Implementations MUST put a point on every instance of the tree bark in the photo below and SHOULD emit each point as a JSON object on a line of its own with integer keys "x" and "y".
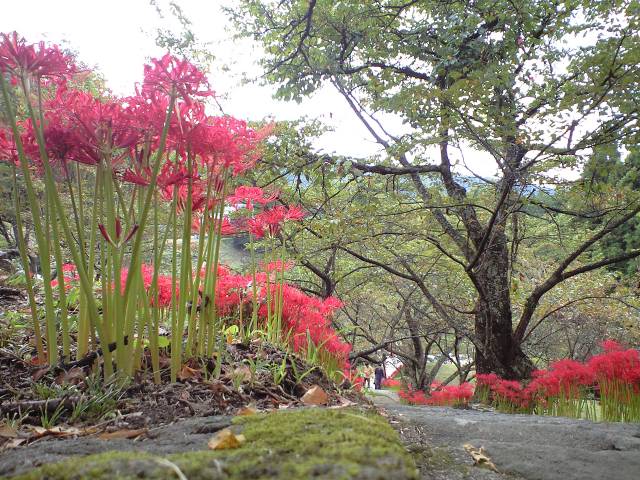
{"x": 497, "y": 350}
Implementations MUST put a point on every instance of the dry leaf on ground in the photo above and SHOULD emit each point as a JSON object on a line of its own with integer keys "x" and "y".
{"x": 480, "y": 458}
{"x": 187, "y": 373}
{"x": 38, "y": 374}
{"x": 73, "y": 376}
{"x": 315, "y": 396}
{"x": 7, "y": 431}
{"x": 246, "y": 411}
{"x": 12, "y": 443}
{"x": 225, "y": 439}
{"x": 39, "y": 432}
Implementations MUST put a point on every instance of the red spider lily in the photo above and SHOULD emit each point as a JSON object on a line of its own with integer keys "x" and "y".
{"x": 146, "y": 115}
{"x": 450, "y": 395}
{"x": 611, "y": 346}
{"x": 488, "y": 379}
{"x": 230, "y": 144}
{"x": 228, "y": 228}
{"x": 169, "y": 73}
{"x": 306, "y": 317}
{"x": 97, "y": 127}
{"x": 70, "y": 275}
{"x": 19, "y": 58}
{"x": 137, "y": 178}
{"x": 165, "y": 285}
{"x": 615, "y": 374}
{"x": 330, "y": 304}
{"x": 391, "y": 383}
{"x": 249, "y": 195}
{"x": 117, "y": 241}
{"x": 358, "y": 382}
{"x": 271, "y": 221}
{"x": 196, "y": 224}
{"x": 615, "y": 363}
{"x": 173, "y": 174}
{"x": 413, "y": 397}
{"x": 8, "y": 151}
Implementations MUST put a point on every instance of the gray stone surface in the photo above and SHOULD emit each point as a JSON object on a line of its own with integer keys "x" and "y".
{"x": 524, "y": 446}
{"x": 186, "y": 435}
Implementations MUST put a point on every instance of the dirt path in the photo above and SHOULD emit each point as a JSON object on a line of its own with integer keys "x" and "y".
{"x": 521, "y": 446}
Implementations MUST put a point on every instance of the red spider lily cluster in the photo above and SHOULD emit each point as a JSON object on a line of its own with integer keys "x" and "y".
{"x": 391, "y": 383}
{"x": 269, "y": 222}
{"x": 450, "y": 395}
{"x": 441, "y": 395}
{"x": 305, "y": 318}
{"x": 152, "y": 155}
{"x": 70, "y": 274}
{"x": 613, "y": 377}
{"x": 19, "y": 58}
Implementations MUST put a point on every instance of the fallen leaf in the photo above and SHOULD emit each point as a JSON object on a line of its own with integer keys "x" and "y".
{"x": 125, "y": 433}
{"x": 217, "y": 387}
{"x": 39, "y": 432}
{"x": 247, "y": 411}
{"x": 315, "y": 396}
{"x": 187, "y": 373}
{"x": 225, "y": 439}
{"x": 8, "y": 431}
{"x": 38, "y": 374}
{"x": 480, "y": 459}
{"x": 74, "y": 376}
{"x": 13, "y": 443}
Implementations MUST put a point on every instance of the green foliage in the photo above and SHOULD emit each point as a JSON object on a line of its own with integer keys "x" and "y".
{"x": 607, "y": 179}
{"x": 529, "y": 89}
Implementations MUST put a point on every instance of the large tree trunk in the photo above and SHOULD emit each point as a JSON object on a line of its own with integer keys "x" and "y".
{"x": 497, "y": 351}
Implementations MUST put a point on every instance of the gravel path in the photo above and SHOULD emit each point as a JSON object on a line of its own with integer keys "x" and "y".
{"x": 521, "y": 446}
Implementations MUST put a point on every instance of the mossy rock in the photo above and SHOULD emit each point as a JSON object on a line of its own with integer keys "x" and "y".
{"x": 300, "y": 444}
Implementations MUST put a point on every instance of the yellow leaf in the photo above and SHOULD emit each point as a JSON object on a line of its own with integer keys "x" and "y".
{"x": 225, "y": 439}
{"x": 247, "y": 411}
{"x": 480, "y": 459}
{"x": 315, "y": 396}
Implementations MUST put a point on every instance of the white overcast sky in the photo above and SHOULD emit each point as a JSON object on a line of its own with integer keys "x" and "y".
{"x": 117, "y": 37}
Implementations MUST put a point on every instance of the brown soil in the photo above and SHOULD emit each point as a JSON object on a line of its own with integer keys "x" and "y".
{"x": 144, "y": 405}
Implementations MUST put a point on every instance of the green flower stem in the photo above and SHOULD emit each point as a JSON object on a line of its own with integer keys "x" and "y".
{"x": 22, "y": 248}
{"x": 185, "y": 279}
{"x": 36, "y": 212}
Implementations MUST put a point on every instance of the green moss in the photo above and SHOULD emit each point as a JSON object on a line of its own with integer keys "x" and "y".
{"x": 300, "y": 444}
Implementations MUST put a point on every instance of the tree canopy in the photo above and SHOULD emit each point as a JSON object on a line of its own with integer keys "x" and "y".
{"x": 533, "y": 88}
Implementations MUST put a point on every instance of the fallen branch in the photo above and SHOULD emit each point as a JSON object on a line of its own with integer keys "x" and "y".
{"x": 40, "y": 406}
